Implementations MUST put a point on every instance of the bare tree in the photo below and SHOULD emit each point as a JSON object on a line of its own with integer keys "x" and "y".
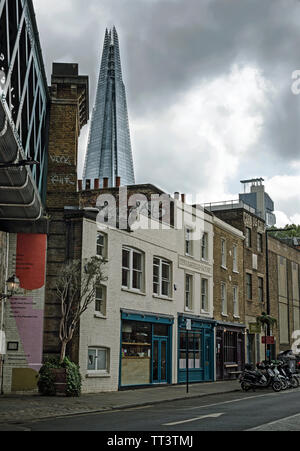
{"x": 76, "y": 290}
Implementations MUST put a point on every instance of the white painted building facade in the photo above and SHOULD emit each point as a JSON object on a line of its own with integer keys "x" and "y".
{"x": 134, "y": 334}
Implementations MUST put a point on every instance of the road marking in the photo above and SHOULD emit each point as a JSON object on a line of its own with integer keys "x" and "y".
{"x": 238, "y": 400}
{"x": 274, "y": 422}
{"x": 203, "y": 417}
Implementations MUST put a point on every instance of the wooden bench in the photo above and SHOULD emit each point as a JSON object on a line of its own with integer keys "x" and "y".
{"x": 233, "y": 373}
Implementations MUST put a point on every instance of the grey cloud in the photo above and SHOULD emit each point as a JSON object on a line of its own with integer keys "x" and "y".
{"x": 168, "y": 46}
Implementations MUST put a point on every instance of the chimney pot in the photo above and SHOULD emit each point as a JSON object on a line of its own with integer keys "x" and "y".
{"x": 79, "y": 185}
{"x": 105, "y": 182}
{"x": 176, "y": 195}
{"x": 88, "y": 184}
{"x": 96, "y": 183}
{"x": 183, "y": 198}
{"x": 118, "y": 182}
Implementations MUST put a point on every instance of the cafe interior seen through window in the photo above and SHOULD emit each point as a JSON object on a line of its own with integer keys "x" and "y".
{"x": 137, "y": 350}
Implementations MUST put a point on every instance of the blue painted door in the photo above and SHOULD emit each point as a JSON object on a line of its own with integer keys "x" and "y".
{"x": 160, "y": 360}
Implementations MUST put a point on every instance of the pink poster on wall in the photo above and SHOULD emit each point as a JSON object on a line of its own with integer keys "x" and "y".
{"x": 28, "y": 309}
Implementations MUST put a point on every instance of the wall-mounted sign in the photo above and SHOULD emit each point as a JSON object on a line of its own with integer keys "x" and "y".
{"x": 12, "y": 346}
{"x": 254, "y": 328}
{"x": 268, "y": 340}
{"x": 188, "y": 324}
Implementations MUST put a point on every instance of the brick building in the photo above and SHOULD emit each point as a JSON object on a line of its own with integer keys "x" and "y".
{"x": 284, "y": 264}
{"x": 244, "y": 218}
{"x": 229, "y": 307}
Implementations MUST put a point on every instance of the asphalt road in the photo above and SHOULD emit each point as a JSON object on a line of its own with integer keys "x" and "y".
{"x": 262, "y": 410}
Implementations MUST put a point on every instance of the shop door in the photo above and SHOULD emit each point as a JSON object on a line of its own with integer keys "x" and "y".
{"x": 207, "y": 357}
{"x": 160, "y": 360}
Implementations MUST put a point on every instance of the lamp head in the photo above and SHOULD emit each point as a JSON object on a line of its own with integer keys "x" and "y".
{"x": 13, "y": 284}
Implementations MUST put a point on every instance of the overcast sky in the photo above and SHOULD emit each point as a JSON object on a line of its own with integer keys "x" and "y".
{"x": 208, "y": 88}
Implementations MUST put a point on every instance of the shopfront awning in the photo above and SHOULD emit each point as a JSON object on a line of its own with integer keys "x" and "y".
{"x": 19, "y": 196}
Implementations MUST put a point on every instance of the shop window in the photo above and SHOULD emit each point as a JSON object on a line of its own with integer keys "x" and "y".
{"x": 132, "y": 269}
{"x": 160, "y": 330}
{"x": 230, "y": 347}
{"x": 136, "y": 353}
{"x": 162, "y": 277}
{"x": 194, "y": 350}
{"x": 98, "y": 360}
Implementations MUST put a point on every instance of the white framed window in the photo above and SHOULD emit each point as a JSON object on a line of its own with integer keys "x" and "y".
{"x": 224, "y": 298}
{"x": 162, "y": 277}
{"x": 100, "y": 300}
{"x": 223, "y": 253}
{"x": 204, "y": 247}
{"x": 132, "y": 269}
{"x": 101, "y": 244}
{"x": 189, "y": 281}
{"x": 188, "y": 242}
{"x": 98, "y": 360}
{"x": 235, "y": 258}
{"x": 236, "y": 307}
{"x": 204, "y": 295}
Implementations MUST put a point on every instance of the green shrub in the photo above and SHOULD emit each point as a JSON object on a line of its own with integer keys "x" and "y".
{"x": 74, "y": 381}
{"x": 46, "y": 378}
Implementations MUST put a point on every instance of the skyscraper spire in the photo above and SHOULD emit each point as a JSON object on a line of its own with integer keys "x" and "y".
{"x": 109, "y": 153}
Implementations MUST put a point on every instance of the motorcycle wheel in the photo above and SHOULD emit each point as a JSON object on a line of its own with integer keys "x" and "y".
{"x": 245, "y": 387}
{"x": 294, "y": 382}
{"x": 284, "y": 384}
{"x": 277, "y": 386}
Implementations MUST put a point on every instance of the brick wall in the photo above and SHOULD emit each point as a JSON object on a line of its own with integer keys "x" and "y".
{"x": 65, "y": 226}
{"x": 228, "y": 276}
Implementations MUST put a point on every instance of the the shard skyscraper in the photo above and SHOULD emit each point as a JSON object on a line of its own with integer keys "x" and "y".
{"x": 109, "y": 153}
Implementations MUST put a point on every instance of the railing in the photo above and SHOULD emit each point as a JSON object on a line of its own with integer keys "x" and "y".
{"x": 230, "y": 205}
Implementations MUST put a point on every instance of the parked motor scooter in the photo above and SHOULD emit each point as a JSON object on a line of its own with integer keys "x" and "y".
{"x": 292, "y": 380}
{"x": 262, "y": 377}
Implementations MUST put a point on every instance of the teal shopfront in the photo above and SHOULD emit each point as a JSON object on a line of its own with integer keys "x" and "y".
{"x": 199, "y": 342}
{"x": 146, "y": 349}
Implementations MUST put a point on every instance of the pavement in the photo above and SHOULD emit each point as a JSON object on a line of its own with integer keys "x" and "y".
{"x": 17, "y": 409}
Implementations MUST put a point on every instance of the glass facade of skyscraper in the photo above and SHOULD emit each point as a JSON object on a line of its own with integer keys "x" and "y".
{"x": 109, "y": 153}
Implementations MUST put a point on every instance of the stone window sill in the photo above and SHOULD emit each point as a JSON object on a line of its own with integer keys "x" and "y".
{"x": 140, "y": 293}
{"x": 97, "y": 375}
{"x": 163, "y": 298}
{"x": 99, "y": 316}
